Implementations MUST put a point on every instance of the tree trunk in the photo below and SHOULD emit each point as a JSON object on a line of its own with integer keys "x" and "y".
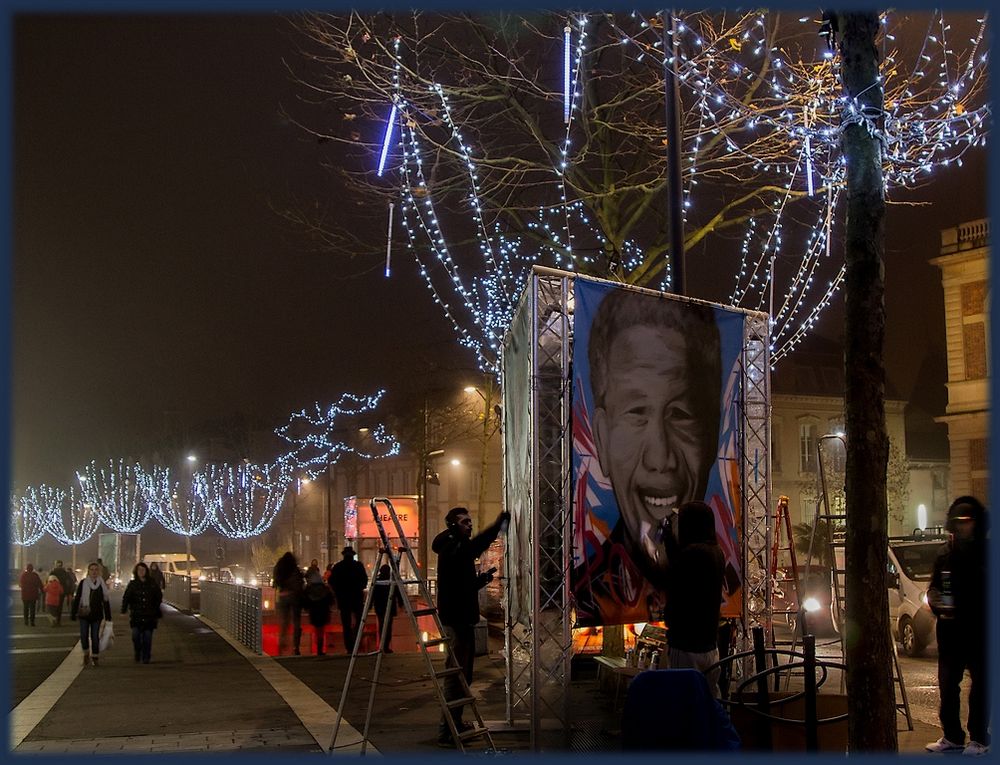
{"x": 868, "y": 651}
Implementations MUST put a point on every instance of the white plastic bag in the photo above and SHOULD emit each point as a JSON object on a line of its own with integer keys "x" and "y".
{"x": 107, "y": 636}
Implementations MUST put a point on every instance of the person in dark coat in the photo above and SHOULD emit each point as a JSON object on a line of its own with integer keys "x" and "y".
{"x": 380, "y": 600}
{"x": 142, "y": 602}
{"x": 67, "y": 582}
{"x": 458, "y": 586}
{"x": 288, "y": 584}
{"x": 157, "y": 575}
{"x": 31, "y": 589}
{"x": 92, "y": 604}
{"x": 317, "y": 600}
{"x": 348, "y": 580}
{"x": 957, "y": 595}
{"x": 694, "y": 591}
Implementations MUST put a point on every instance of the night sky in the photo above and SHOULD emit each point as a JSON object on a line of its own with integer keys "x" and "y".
{"x": 151, "y": 274}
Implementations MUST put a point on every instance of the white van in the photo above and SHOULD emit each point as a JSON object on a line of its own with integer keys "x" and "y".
{"x": 911, "y": 563}
{"x": 174, "y": 563}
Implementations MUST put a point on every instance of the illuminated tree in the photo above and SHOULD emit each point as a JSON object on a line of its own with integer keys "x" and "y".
{"x": 244, "y": 498}
{"x": 515, "y": 140}
{"x": 117, "y": 494}
{"x": 70, "y": 519}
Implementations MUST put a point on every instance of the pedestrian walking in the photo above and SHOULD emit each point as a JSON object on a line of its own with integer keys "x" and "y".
{"x": 458, "y": 586}
{"x": 317, "y": 600}
{"x": 380, "y": 599}
{"x": 53, "y": 599}
{"x": 141, "y": 601}
{"x": 91, "y": 605}
{"x": 957, "y": 595}
{"x": 67, "y": 581}
{"x": 31, "y": 590}
{"x": 105, "y": 572}
{"x": 157, "y": 575}
{"x": 287, "y": 582}
{"x": 348, "y": 581}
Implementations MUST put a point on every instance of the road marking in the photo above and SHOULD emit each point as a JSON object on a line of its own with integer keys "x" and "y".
{"x": 316, "y": 715}
{"x": 13, "y": 651}
{"x": 26, "y": 715}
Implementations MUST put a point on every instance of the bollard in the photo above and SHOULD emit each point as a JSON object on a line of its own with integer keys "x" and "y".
{"x": 809, "y": 667}
{"x": 763, "y": 698}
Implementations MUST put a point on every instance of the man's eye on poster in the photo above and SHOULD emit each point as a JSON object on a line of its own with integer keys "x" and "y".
{"x": 655, "y": 425}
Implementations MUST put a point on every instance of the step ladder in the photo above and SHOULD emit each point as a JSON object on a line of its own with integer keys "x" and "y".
{"x": 436, "y": 673}
{"x": 783, "y": 528}
{"x": 836, "y": 524}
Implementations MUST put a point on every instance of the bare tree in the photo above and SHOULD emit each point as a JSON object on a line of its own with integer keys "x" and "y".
{"x": 485, "y": 164}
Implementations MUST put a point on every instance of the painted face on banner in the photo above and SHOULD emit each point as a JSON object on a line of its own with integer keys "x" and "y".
{"x": 649, "y": 439}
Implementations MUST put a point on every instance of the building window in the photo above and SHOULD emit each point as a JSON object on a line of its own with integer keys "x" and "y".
{"x": 807, "y": 447}
{"x": 977, "y": 454}
{"x": 974, "y": 344}
{"x": 980, "y": 485}
{"x": 973, "y": 298}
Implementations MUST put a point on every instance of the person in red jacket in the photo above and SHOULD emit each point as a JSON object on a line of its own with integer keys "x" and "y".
{"x": 31, "y": 588}
{"x": 53, "y": 599}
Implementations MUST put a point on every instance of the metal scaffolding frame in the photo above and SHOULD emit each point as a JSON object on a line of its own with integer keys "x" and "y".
{"x": 538, "y": 654}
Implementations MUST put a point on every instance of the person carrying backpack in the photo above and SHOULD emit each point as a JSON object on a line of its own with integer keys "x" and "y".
{"x": 318, "y": 599}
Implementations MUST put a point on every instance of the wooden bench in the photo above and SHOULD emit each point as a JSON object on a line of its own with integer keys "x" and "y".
{"x": 651, "y": 638}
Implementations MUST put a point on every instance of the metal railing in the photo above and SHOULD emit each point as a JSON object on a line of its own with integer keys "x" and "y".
{"x": 177, "y": 591}
{"x": 236, "y": 608}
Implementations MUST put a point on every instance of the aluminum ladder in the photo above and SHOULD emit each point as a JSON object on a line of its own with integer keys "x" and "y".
{"x": 396, "y": 584}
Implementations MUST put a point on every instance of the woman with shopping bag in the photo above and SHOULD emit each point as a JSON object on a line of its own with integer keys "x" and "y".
{"x": 142, "y": 601}
{"x": 91, "y": 604}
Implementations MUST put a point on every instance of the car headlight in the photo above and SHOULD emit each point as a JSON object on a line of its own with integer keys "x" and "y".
{"x": 811, "y": 605}
{"x": 239, "y": 580}
{"x": 201, "y": 578}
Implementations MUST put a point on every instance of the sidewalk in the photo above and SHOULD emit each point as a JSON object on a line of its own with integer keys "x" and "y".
{"x": 204, "y": 693}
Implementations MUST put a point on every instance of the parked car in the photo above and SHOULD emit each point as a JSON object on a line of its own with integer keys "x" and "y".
{"x": 911, "y": 563}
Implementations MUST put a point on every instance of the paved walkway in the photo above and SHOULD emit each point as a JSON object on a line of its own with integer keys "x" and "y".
{"x": 205, "y": 693}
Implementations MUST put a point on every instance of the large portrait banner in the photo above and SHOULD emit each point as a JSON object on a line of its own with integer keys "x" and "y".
{"x": 656, "y": 423}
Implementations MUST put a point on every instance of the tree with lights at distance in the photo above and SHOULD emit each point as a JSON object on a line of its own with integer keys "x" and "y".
{"x": 522, "y": 139}
{"x": 118, "y": 494}
{"x": 27, "y": 520}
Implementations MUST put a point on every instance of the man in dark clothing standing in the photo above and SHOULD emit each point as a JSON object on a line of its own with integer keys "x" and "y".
{"x": 60, "y": 573}
{"x": 458, "y": 586}
{"x": 348, "y": 581}
{"x": 957, "y": 596}
{"x": 694, "y": 591}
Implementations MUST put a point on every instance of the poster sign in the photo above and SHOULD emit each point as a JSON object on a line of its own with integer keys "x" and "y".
{"x": 656, "y": 383}
{"x": 350, "y": 517}
{"x": 406, "y": 512}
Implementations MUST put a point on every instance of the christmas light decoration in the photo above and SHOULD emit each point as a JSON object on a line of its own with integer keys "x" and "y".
{"x": 116, "y": 494}
{"x": 755, "y": 116}
{"x": 182, "y": 506}
{"x": 27, "y": 518}
{"x": 245, "y": 498}
{"x": 386, "y": 139}
{"x": 320, "y": 438}
{"x": 70, "y": 519}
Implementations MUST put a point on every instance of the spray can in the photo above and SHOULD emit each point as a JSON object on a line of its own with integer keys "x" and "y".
{"x": 947, "y": 596}
{"x": 654, "y": 660}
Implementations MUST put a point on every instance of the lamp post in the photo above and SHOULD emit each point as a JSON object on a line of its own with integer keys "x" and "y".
{"x": 187, "y": 537}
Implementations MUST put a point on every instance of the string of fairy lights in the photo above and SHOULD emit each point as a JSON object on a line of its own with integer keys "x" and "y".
{"x": 238, "y": 501}
{"x": 931, "y": 118}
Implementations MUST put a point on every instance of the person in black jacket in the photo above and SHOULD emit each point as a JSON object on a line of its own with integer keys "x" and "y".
{"x": 694, "y": 591}
{"x": 348, "y": 580}
{"x": 157, "y": 575}
{"x": 142, "y": 599}
{"x": 957, "y": 595}
{"x": 458, "y": 586}
{"x": 288, "y": 584}
{"x": 317, "y": 600}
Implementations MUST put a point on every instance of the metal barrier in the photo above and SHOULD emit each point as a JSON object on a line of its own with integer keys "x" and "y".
{"x": 177, "y": 590}
{"x": 236, "y": 608}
